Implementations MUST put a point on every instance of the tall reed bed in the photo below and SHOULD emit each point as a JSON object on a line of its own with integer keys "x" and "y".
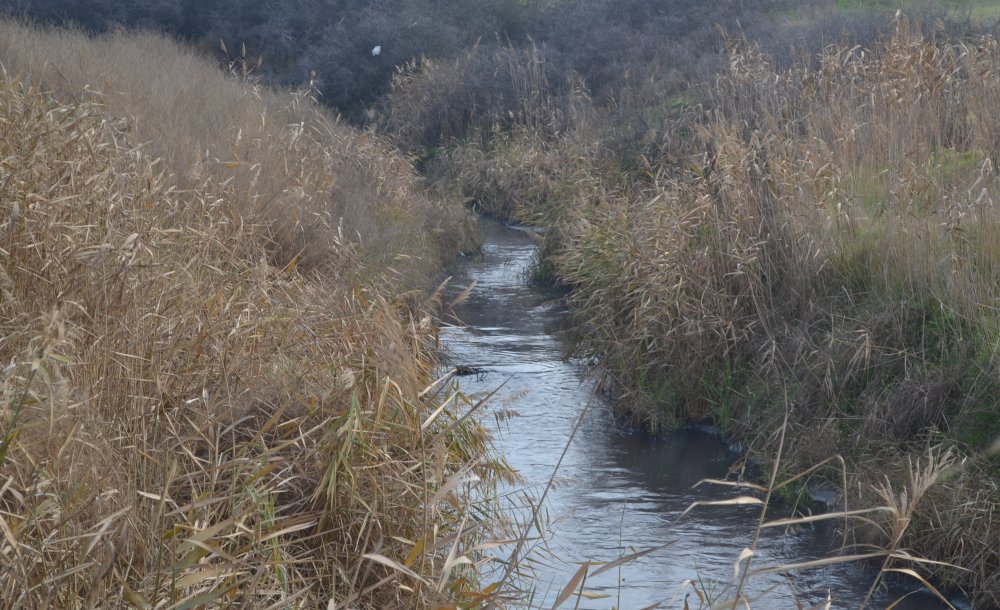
{"x": 213, "y": 392}
{"x": 826, "y": 231}
{"x": 285, "y": 159}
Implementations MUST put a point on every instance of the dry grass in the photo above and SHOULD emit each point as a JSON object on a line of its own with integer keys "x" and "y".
{"x": 828, "y": 230}
{"x": 206, "y": 127}
{"x": 211, "y": 396}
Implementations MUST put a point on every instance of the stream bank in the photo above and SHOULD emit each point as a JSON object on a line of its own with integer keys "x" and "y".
{"x": 619, "y": 491}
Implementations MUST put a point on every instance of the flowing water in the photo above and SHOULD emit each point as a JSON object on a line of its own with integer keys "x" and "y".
{"x": 620, "y": 491}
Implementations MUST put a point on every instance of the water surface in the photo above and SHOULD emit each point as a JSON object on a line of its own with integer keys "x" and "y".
{"x": 620, "y": 491}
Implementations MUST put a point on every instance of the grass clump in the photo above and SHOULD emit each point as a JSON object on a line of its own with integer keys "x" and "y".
{"x": 212, "y": 394}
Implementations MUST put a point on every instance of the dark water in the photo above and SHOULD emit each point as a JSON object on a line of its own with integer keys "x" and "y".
{"x": 620, "y": 492}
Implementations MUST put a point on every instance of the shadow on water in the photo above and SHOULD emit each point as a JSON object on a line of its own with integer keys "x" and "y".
{"x": 620, "y": 491}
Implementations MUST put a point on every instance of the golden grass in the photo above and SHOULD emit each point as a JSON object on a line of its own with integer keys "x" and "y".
{"x": 342, "y": 184}
{"x": 212, "y": 393}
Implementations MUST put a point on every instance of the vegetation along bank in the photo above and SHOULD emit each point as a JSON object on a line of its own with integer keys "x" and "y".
{"x": 816, "y": 240}
{"x": 217, "y": 379}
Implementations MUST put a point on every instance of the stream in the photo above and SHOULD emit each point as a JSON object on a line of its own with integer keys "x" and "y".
{"x": 620, "y": 491}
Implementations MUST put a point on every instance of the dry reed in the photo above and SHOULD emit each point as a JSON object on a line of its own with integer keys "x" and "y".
{"x": 213, "y": 392}
{"x": 827, "y": 229}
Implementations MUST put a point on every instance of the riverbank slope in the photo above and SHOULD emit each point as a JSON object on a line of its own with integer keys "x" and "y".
{"x": 216, "y": 344}
{"x": 816, "y": 241}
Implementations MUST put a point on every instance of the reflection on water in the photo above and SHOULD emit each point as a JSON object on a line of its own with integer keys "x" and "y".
{"x": 621, "y": 491}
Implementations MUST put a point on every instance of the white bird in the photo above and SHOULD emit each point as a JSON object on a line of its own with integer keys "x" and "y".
{"x": 377, "y": 51}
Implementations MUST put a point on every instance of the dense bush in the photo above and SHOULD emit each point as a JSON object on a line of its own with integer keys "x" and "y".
{"x": 632, "y": 63}
{"x": 659, "y": 44}
{"x": 294, "y": 39}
